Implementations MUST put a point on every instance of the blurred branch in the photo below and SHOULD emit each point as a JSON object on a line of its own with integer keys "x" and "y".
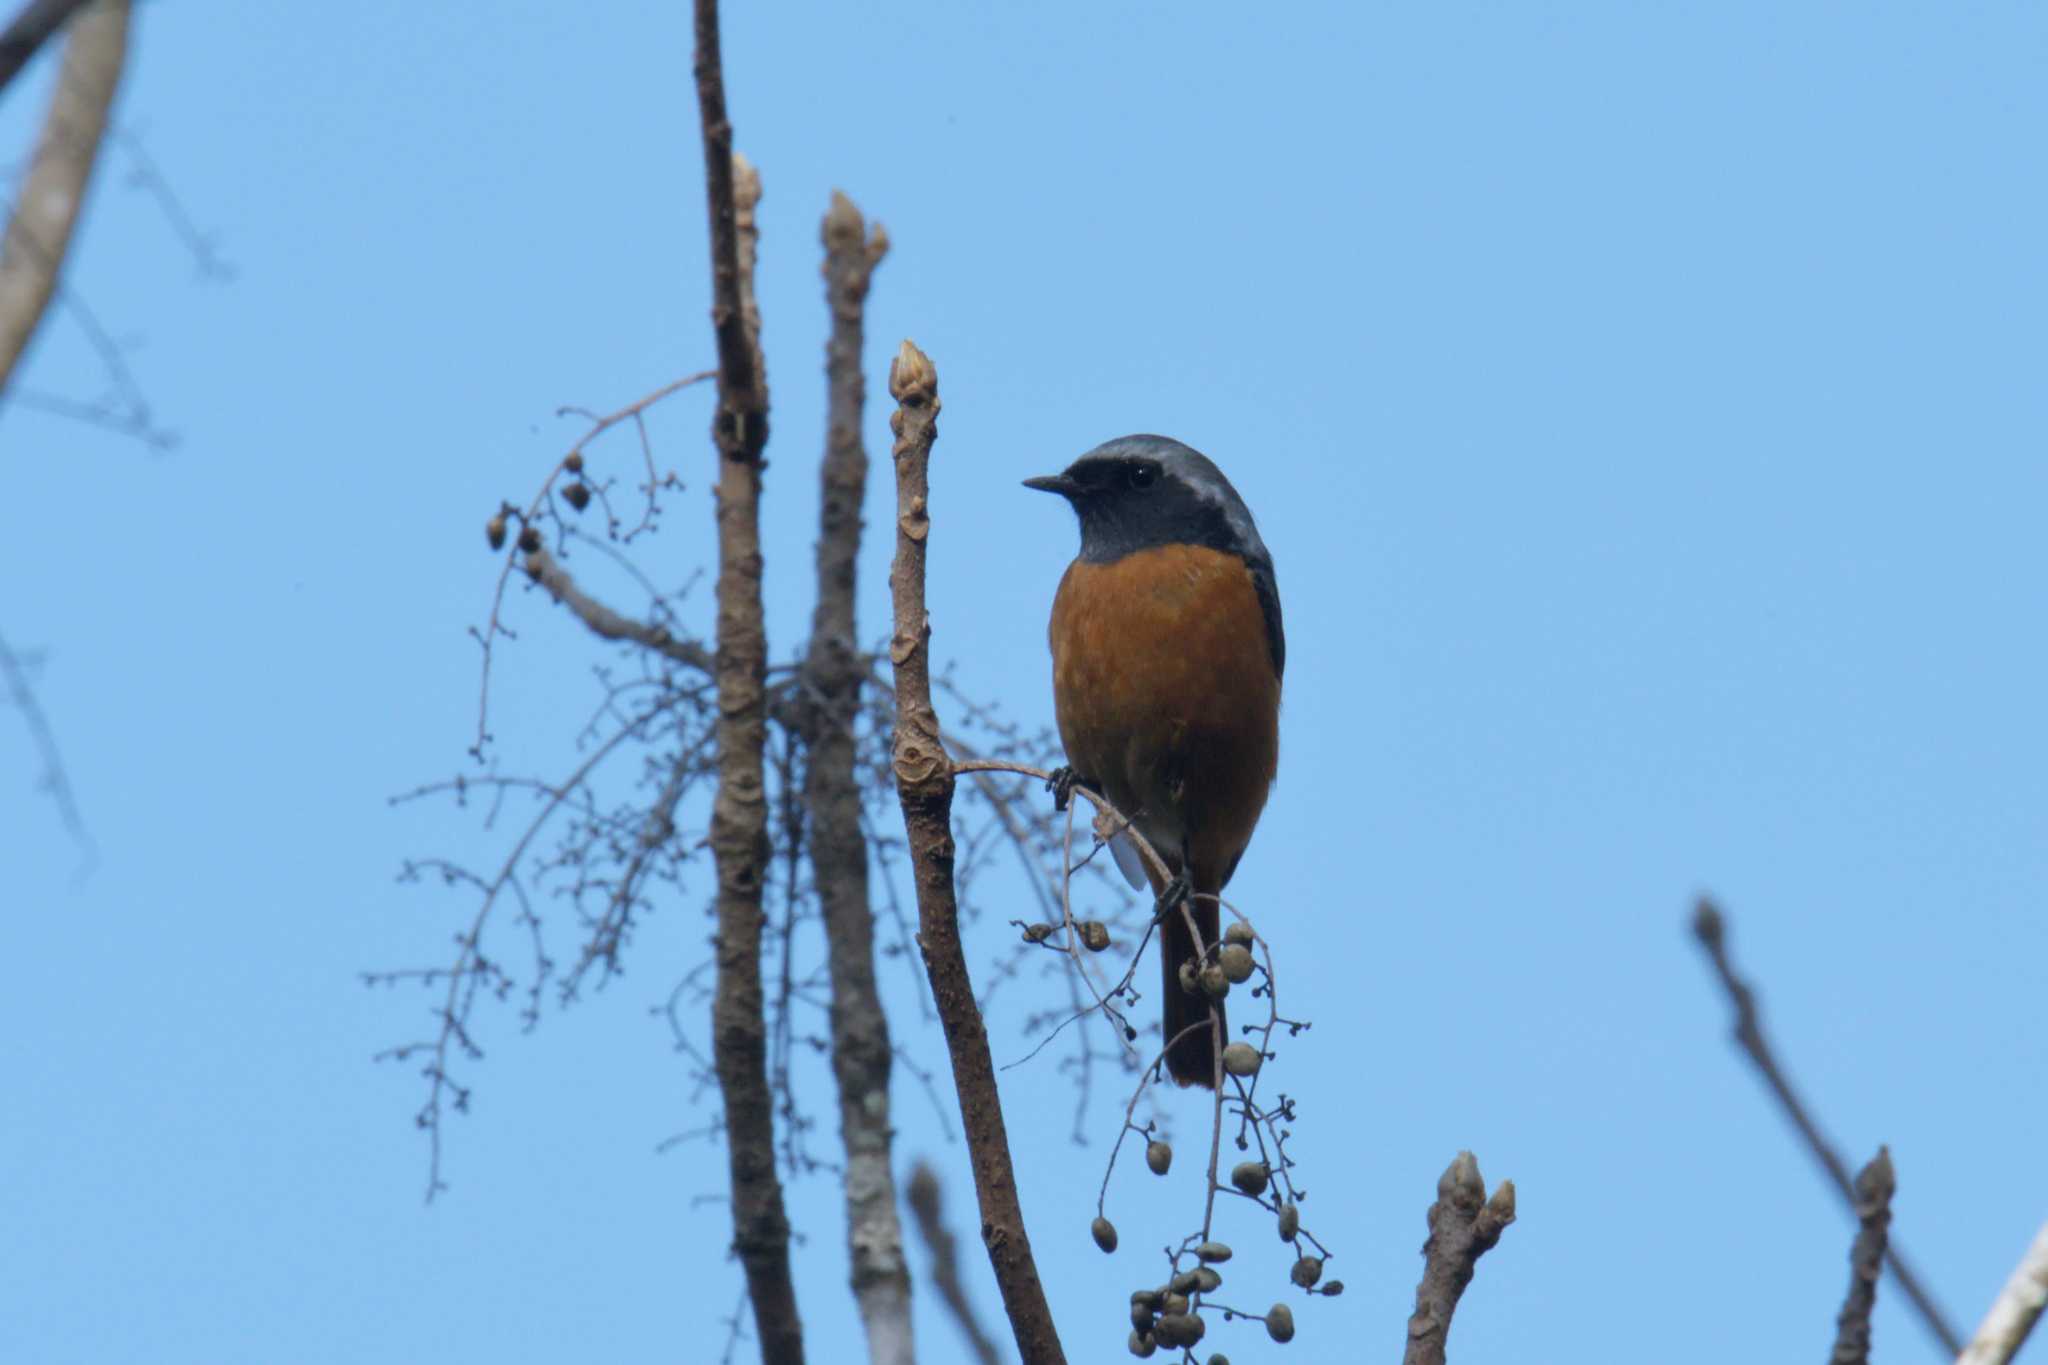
{"x": 2015, "y": 1311}
{"x": 1874, "y": 1186}
{"x": 833, "y": 674}
{"x": 1710, "y": 929}
{"x": 925, "y": 1204}
{"x": 54, "y": 778}
{"x": 46, "y": 212}
{"x": 32, "y": 26}
{"x": 739, "y": 811}
{"x": 924, "y": 785}
{"x": 1464, "y": 1224}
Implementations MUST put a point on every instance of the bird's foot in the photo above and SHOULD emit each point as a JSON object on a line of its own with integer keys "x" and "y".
{"x": 1171, "y": 895}
{"x": 1061, "y": 783}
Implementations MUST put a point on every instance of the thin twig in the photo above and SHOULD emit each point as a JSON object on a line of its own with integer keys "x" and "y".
{"x": 1874, "y": 1186}
{"x": 54, "y": 778}
{"x": 924, "y": 785}
{"x": 32, "y": 26}
{"x": 926, "y": 1205}
{"x": 1464, "y": 1224}
{"x": 1710, "y": 929}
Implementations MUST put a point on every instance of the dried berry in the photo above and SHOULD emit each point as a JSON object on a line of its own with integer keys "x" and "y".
{"x": 578, "y": 496}
{"x": 1214, "y": 983}
{"x": 1307, "y": 1271}
{"x": 1290, "y": 1222}
{"x": 1280, "y": 1323}
{"x": 1037, "y": 933}
{"x": 494, "y": 531}
{"x": 574, "y": 462}
{"x": 1141, "y": 1345}
{"x": 1236, "y": 962}
{"x": 1250, "y": 1176}
{"x": 1159, "y": 1156}
{"x": 1104, "y": 1233}
{"x": 1215, "y": 1252}
{"x": 1094, "y": 935}
{"x": 1239, "y": 933}
{"x": 529, "y": 540}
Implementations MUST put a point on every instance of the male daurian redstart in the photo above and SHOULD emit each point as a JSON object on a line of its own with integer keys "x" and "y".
{"x": 1167, "y": 652}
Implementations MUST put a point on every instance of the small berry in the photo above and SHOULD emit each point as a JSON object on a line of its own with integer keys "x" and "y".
{"x": 494, "y": 531}
{"x": 1236, "y": 962}
{"x": 1141, "y": 1345}
{"x": 529, "y": 540}
{"x": 1239, "y": 933}
{"x": 1250, "y": 1176}
{"x": 1280, "y": 1323}
{"x": 574, "y": 462}
{"x": 1104, "y": 1233}
{"x": 1307, "y": 1271}
{"x": 1214, "y": 1252}
{"x": 1159, "y": 1156}
{"x": 1037, "y": 933}
{"x": 1207, "y": 1279}
{"x": 1214, "y": 983}
{"x": 578, "y": 496}
{"x": 1290, "y": 1222}
{"x": 1241, "y": 1059}
{"x": 1094, "y": 935}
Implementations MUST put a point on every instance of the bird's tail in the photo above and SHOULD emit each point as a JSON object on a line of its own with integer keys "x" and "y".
{"x": 1191, "y": 1051}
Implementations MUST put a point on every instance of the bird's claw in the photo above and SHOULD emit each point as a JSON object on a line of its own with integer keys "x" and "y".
{"x": 1061, "y": 783}
{"x": 1171, "y": 895}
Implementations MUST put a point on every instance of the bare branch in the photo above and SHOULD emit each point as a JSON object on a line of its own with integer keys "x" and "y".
{"x": 833, "y": 675}
{"x": 1711, "y": 931}
{"x": 1464, "y": 1224}
{"x": 39, "y": 232}
{"x": 924, "y": 785}
{"x": 1874, "y": 1186}
{"x": 739, "y": 811}
{"x": 544, "y": 569}
{"x": 926, "y": 1203}
{"x": 2015, "y": 1311}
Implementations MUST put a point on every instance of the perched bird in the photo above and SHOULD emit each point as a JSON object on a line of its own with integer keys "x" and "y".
{"x": 1167, "y": 652}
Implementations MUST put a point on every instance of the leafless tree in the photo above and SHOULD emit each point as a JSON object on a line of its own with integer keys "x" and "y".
{"x": 815, "y": 783}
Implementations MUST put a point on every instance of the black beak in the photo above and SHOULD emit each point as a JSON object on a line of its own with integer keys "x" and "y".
{"x": 1054, "y": 483}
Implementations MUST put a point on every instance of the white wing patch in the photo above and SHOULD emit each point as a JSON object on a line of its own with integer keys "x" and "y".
{"x": 1128, "y": 862}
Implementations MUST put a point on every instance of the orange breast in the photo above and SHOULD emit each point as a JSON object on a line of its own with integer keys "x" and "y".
{"x": 1165, "y": 693}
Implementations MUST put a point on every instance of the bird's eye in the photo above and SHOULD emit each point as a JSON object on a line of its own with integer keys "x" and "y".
{"x": 1142, "y": 475}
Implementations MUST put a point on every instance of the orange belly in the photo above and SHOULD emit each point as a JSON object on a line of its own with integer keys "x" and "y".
{"x": 1165, "y": 693}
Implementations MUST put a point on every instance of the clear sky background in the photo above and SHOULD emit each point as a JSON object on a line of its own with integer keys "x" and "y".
{"x": 1645, "y": 408}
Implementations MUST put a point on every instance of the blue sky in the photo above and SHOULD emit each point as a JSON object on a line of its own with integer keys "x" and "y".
{"x": 1644, "y": 408}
